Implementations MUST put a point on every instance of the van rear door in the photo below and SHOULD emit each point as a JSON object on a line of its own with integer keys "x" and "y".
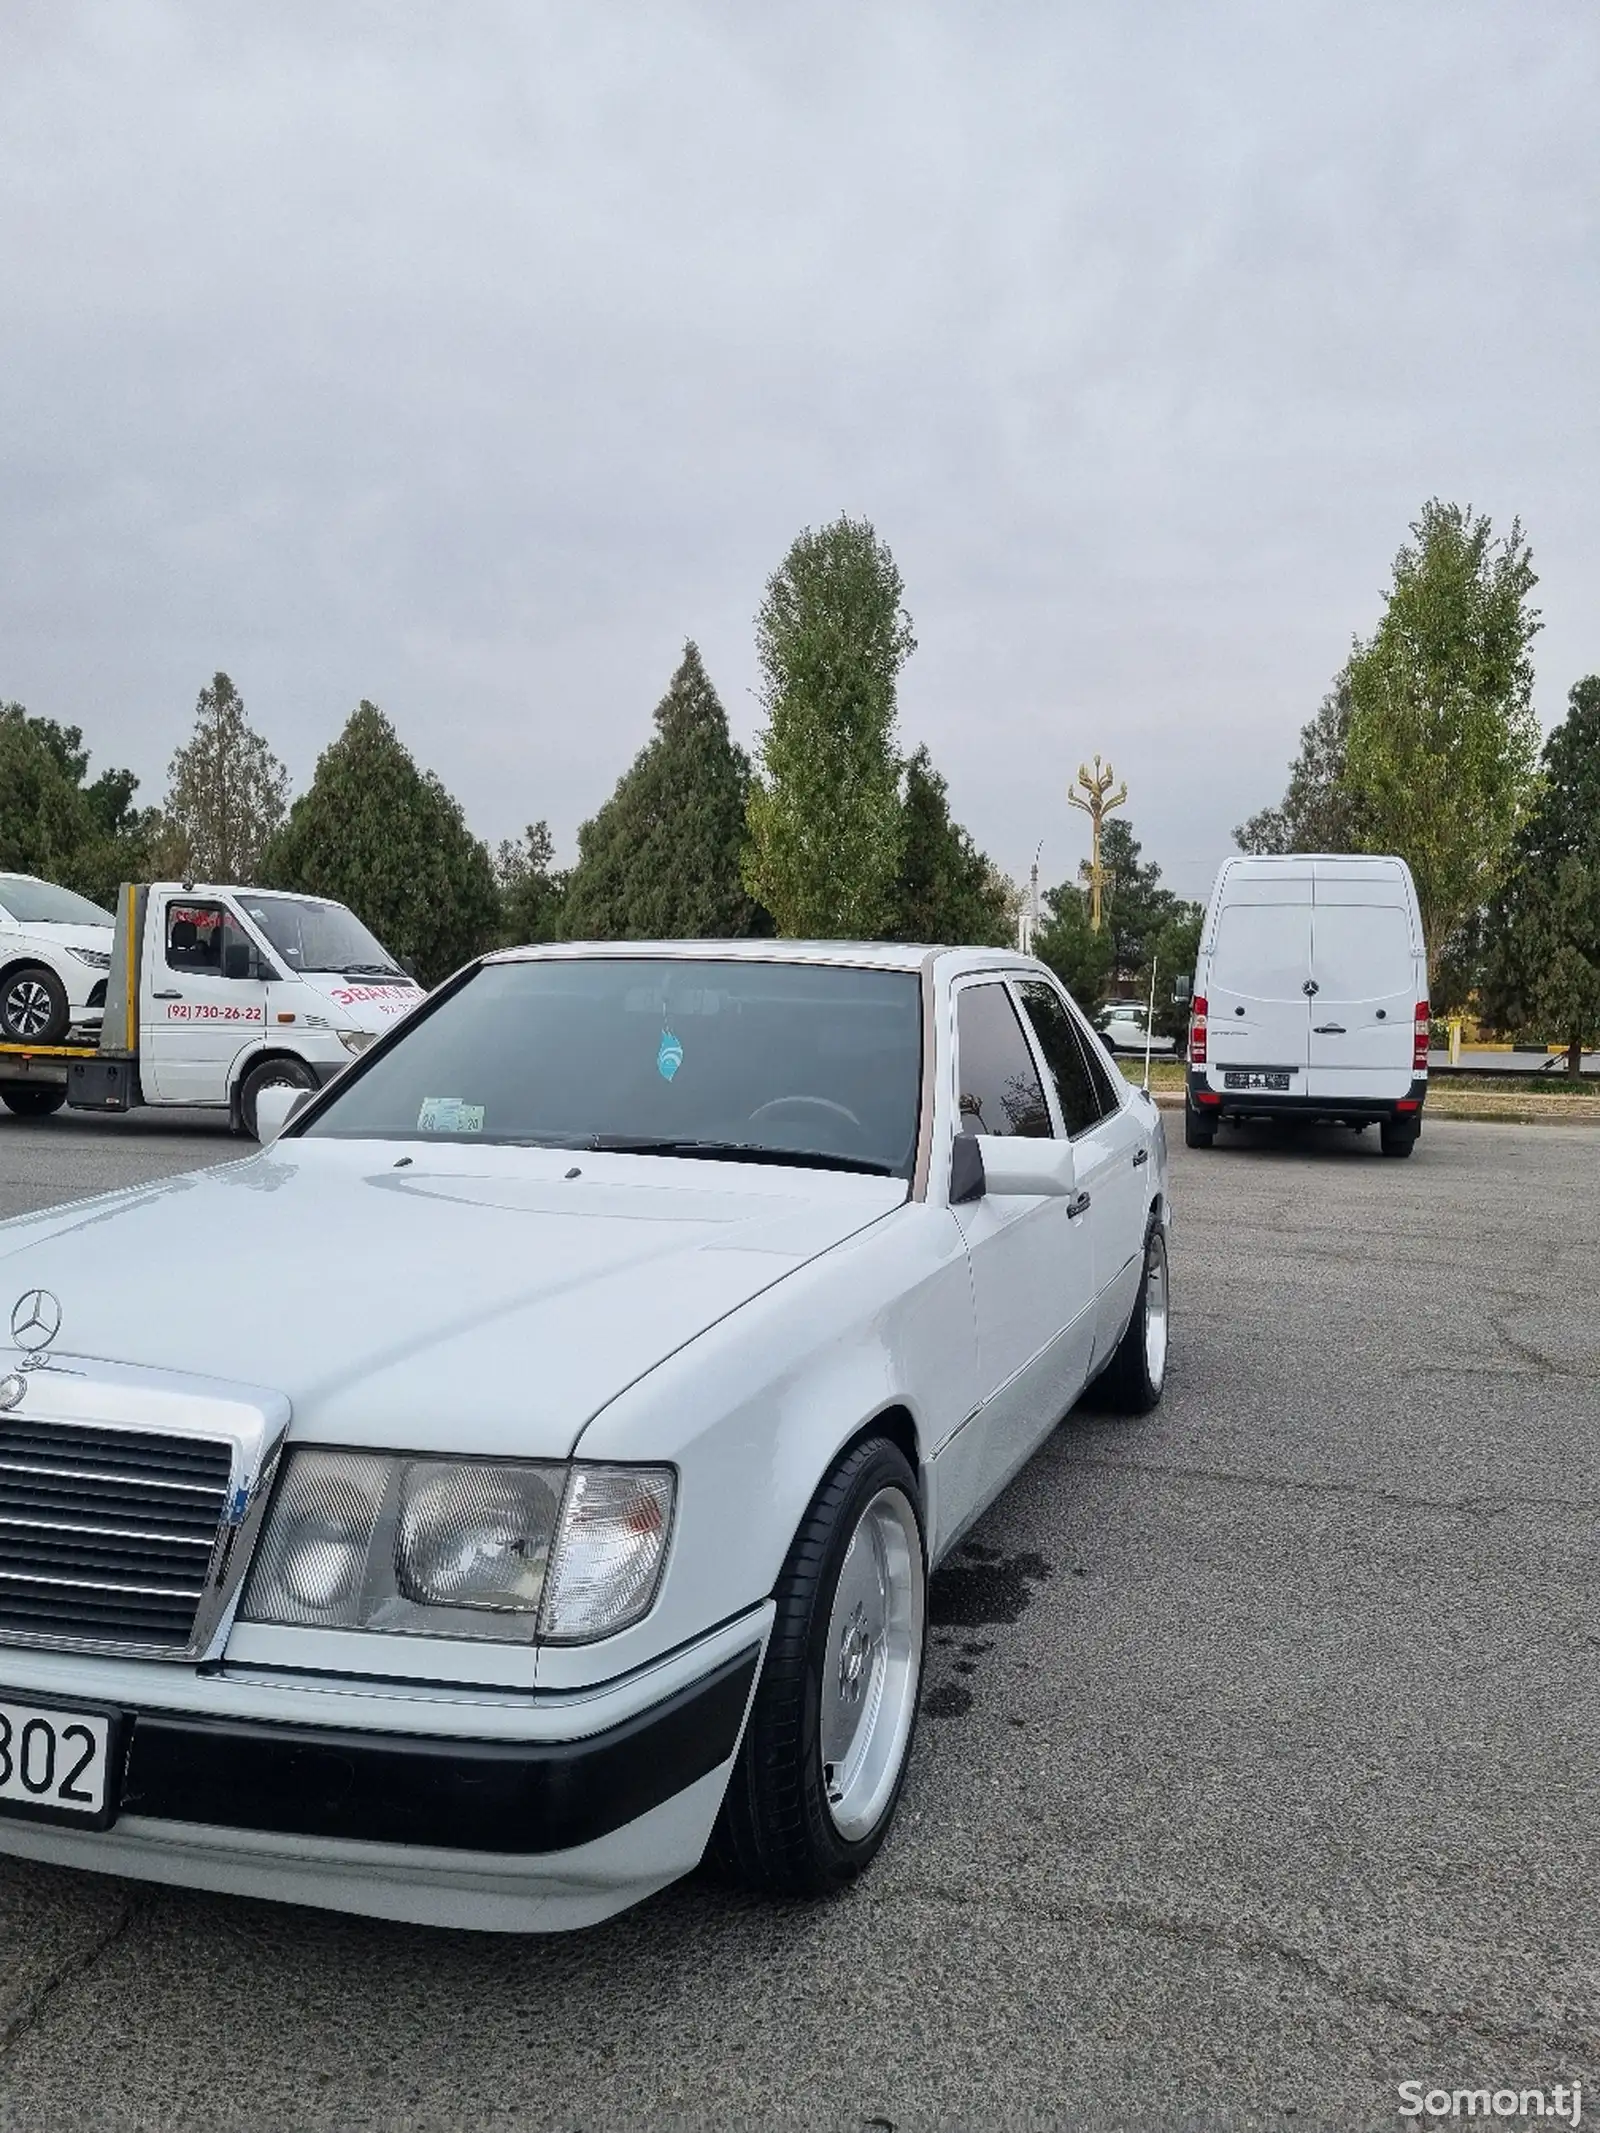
{"x": 1365, "y": 964}
{"x": 1260, "y": 1017}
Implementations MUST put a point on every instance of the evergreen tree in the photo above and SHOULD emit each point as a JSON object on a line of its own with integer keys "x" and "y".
{"x": 1543, "y": 956}
{"x": 226, "y": 790}
{"x": 378, "y": 834}
{"x": 53, "y": 823}
{"x": 825, "y": 817}
{"x": 1442, "y": 735}
{"x": 1136, "y": 907}
{"x": 661, "y": 860}
{"x": 532, "y": 893}
{"x": 1081, "y": 959}
{"x": 1319, "y": 812}
{"x": 947, "y": 891}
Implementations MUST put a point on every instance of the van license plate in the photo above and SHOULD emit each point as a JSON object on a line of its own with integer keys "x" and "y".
{"x": 56, "y": 1766}
{"x": 1243, "y": 1078}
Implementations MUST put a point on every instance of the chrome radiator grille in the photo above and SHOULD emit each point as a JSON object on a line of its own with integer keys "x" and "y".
{"x": 106, "y": 1535}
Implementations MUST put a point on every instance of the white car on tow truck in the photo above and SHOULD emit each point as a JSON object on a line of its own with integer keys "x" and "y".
{"x": 213, "y": 994}
{"x": 539, "y": 1458}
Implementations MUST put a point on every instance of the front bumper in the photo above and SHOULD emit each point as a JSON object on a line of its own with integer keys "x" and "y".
{"x": 1328, "y": 1110}
{"x": 516, "y": 1813}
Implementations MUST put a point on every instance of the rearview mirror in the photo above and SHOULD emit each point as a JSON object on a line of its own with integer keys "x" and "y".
{"x": 1181, "y": 988}
{"x": 275, "y": 1106}
{"x": 237, "y": 960}
{"x": 1007, "y": 1166}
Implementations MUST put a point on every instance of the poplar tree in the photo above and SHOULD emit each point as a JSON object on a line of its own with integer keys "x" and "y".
{"x": 825, "y": 817}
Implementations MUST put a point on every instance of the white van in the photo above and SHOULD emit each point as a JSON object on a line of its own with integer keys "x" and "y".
{"x": 1310, "y": 998}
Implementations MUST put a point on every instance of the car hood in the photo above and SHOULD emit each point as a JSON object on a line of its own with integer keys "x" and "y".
{"x": 405, "y": 1296}
{"x": 357, "y": 1005}
{"x": 61, "y": 935}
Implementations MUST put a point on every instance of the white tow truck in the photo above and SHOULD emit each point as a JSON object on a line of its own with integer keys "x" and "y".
{"x": 214, "y": 994}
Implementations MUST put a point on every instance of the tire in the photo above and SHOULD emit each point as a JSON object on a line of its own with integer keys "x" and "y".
{"x": 33, "y": 1006}
{"x": 1198, "y": 1132}
{"x": 1135, "y": 1377}
{"x": 277, "y": 1073}
{"x": 32, "y": 1099}
{"x": 1396, "y": 1140}
{"x": 798, "y": 1820}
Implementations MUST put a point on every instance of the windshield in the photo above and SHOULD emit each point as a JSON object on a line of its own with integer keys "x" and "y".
{"x": 33, "y": 903}
{"x": 317, "y": 936}
{"x": 759, "y": 1060}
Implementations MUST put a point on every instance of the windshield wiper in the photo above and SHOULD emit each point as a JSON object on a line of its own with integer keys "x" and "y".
{"x": 735, "y": 1152}
{"x": 370, "y": 970}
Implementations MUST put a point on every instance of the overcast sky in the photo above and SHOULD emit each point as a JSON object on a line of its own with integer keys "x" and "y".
{"x": 470, "y": 358}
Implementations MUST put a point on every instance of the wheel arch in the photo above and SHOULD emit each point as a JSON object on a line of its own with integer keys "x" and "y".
{"x": 267, "y": 1054}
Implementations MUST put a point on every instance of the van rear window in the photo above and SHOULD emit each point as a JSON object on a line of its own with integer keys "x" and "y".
{"x": 1263, "y": 951}
{"x": 1361, "y": 951}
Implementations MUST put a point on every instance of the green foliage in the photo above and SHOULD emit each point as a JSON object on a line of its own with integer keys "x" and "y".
{"x": 1135, "y": 907}
{"x": 387, "y": 839}
{"x": 1175, "y": 949}
{"x": 661, "y": 860}
{"x": 1080, "y": 959}
{"x": 1319, "y": 812}
{"x": 825, "y": 817}
{"x": 1442, "y": 736}
{"x": 532, "y": 892}
{"x": 226, "y": 790}
{"x": 1542, "y": 963}
{"x": 947, "y": 891}
{"x": 88, "y": 837}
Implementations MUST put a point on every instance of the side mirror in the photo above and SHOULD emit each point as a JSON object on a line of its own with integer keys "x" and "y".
{"x": 1182, "y": 988}
{"x": 275, "y": 1106}
{"x": 1018, "y": 1169}
{"x": 408, "y": 966}
{"x": 238, "y": 961}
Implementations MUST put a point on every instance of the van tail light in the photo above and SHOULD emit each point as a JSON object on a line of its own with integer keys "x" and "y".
{"x": 1419, "y": 1041}
{"x": 1197, "y": 1031}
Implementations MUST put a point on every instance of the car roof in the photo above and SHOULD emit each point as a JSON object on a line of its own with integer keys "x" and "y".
{"x": 866, "y": 955}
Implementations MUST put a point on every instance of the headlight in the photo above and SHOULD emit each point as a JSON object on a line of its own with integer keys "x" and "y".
{"x": 492, "y": 1548}
{"x": 96, "y": 958}
{"x": 357, "y": 1040}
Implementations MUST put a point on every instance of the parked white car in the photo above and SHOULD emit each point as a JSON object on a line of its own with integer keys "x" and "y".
{"x": 55, "y": 950}
{"x": 534, "y": 1458}
{"x": 1124, "y": 1026}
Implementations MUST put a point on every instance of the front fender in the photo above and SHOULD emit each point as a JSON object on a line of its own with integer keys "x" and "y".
{"x": 755, "y": 1410}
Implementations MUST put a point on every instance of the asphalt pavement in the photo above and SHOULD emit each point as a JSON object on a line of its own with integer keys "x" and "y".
{"x": 1256, "y": 1774}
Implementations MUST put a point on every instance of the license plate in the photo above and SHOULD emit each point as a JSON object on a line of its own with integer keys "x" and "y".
{"x": 1244, "y": 1078}
{"x": 57, "y": 1766}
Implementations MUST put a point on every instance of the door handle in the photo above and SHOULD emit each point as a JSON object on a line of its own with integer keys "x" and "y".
{"x": 1329, "y": 1029}
{"x": 1079, "y": 1205}
{"x": 1141, "y": 1156}
{"x": 166, "y": 996}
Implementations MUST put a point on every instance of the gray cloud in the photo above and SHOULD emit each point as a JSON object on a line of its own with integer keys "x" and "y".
{"x": 470, "y": 359}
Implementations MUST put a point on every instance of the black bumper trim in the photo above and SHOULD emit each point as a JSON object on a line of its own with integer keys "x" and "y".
{"x": 1265, "y": 1103}
{"x": 461, "y": 1795}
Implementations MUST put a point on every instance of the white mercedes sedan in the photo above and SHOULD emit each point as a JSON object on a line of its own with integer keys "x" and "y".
{"x": 526, "y": 1471}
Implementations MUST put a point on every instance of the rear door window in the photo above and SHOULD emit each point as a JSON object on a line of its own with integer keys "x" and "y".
{"x": 1263, "y": 951}
{"x": 1000, "y": 1089}
{"x": 1361, "y": 951}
